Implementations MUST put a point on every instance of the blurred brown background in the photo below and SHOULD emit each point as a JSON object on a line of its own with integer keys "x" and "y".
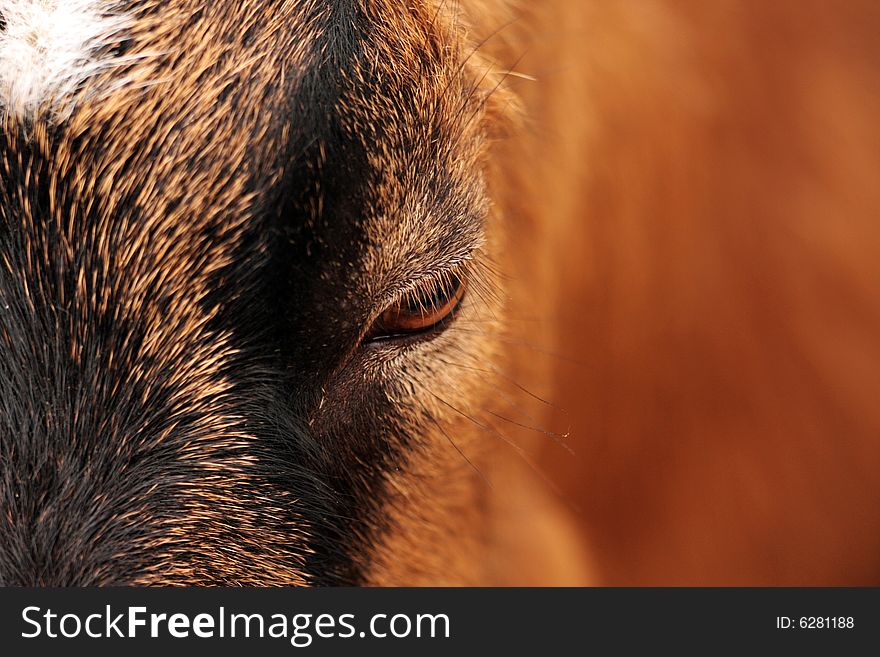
{"x": 697, "y": 193}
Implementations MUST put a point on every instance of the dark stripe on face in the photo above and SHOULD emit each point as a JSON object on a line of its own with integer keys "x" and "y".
{"x": 316, "y": 223}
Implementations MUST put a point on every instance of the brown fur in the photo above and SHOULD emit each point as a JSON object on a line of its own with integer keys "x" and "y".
{"x": 192, "y": 260}
{"x": 670, "y": 234}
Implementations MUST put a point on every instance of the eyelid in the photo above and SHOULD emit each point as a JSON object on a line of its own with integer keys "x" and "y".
{"x": 424, "y": 309}
{"x": 461, "y": 267}
{"x": 420, "y": 309}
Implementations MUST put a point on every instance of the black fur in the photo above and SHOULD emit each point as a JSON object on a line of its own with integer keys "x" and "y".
{"x": 96, "y": 446}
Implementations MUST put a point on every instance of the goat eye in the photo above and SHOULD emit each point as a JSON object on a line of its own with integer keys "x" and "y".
{"x": 428, "y": 306}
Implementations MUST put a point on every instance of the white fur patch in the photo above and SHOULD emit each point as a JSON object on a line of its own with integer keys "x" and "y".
{"x": 49, "y": 48}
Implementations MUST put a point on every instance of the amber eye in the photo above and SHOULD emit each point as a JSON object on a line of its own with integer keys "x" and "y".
{"x": 428, "y": 306}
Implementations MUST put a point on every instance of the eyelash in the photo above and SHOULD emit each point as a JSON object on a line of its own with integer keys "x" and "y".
{"x": 426, "y": 307}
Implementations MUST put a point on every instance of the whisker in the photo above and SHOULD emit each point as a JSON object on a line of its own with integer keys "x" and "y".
{"x": 507, "y": 440}
{"x": 542, "y": 475}
{"x": 458, "y": 449}
{"x": 558, "y": 438}
{"x": 516, "y": 342}
{"x": 456, "y": 76}
{"x": 523, "y": 454}
{"x": 512, "y": 382}
{"x": 521, "y": 76}
{"x": 504, "y": 376}
{"x": 503, "y": 78}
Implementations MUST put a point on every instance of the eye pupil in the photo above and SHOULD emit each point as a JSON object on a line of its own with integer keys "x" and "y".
{"x": 424, "y": 308}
